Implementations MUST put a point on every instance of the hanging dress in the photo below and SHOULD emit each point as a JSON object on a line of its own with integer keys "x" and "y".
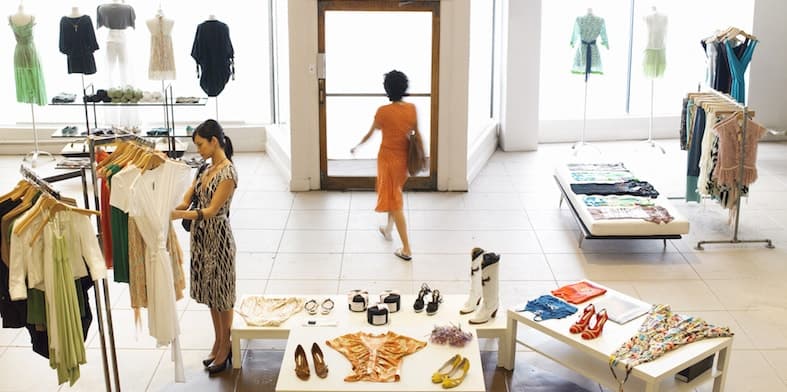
{"x": 587, "y": 59}
{"x": 738, "y": 69}
{"x": 27, "y": 68}
{"x": 214, "y": 54}
{"x": 162, "y": 58}
{"x": 655, "y": 60}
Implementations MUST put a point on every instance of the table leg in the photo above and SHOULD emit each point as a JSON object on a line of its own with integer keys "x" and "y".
{"x": 236, "y": 354}
{"x": 722, "y": 365}
{"x": 651, "y": 386}
{"x": 509, "y": 353}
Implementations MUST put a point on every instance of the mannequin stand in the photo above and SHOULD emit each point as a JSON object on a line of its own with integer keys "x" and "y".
{"x": 217, "y": 108}
{"x": 650, "y": 141}
{"x": 581, "y": 143}
{"x": 32, "y": 156}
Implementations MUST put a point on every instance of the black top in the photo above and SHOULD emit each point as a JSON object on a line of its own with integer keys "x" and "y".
{"x": 213, "y": 52}
{"x": 78, "y": 42}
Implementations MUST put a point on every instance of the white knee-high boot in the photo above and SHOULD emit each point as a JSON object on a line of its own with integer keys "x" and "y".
{"x": 490, "y": 274}
{"x": 474, "y": 298}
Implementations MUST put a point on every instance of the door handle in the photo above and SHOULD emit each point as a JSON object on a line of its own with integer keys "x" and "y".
{"x": 321, "y": 91}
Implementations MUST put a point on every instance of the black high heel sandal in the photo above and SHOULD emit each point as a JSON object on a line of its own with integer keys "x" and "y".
{"x": 418, "y": 306}
{"x": 434, "y": 304}
{"x": 207, "y": 361}
{"x": 215, "y": 369}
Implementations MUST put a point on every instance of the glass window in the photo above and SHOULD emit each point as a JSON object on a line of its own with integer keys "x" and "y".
{"x": 479, "y": 98}
{"x": 244, "y": 100}
{"x": 562, "y": 93}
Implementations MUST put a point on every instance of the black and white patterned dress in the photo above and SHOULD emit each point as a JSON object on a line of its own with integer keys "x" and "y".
{"x": 213, "y": 247}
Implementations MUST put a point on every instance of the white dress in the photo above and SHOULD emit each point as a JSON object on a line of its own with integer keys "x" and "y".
{"x": 162, "y": 58}
{"x": 154, "y": 195}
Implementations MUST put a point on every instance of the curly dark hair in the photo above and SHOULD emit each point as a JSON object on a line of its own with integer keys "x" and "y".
{"x": 395, "y": 85}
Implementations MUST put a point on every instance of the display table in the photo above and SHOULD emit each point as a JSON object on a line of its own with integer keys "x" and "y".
{"x": 415, "y": 372}
{"x": 354, "y": 321}
{"x": 590, "y": 358}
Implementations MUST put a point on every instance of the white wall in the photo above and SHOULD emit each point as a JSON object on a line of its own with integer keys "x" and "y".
{"x": 768, "y": 69}
{"x": 453, "y": 87}
{"x": 519, "y": 125}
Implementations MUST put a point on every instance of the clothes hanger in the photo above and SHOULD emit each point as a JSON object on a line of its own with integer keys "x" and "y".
{"x": 45, "y": 201}
{"x": 17, "y": 192}
{"x": 58, "y": 207}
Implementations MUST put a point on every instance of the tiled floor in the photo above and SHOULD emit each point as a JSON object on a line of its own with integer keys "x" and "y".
{"x": 326, "y": 242}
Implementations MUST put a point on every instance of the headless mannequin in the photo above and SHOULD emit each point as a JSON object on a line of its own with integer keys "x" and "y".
{"x": 162, "y": 63}
{"x": 211, "y": 17}
{"x": 75, "y": 13}
{"x": 20, "y": 18}
{"x": 117, "y": 55}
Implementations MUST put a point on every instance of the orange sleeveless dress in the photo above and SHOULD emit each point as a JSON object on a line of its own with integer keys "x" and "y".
{"x": 395, "y": 120}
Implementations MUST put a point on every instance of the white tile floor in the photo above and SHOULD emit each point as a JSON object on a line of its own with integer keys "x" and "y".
{"x": 326, "y": 242}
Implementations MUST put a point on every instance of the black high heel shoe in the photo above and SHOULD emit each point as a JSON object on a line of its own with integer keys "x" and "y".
{"x": 207, "y": 361}
{"x": 418, "y": 306}
{"x": 215, "y": 369}
{"x": 434, "y": 304}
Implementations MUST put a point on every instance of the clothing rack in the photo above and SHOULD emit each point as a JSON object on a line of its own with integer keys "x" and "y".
{"x": 44, "y": 184}
{"x": 735, "y": 240}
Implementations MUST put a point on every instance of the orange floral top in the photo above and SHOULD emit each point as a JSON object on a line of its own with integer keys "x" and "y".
{"x": 375, "y": 358}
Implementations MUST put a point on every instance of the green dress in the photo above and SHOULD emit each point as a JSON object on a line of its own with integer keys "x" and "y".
{"x": 27, "y": 69}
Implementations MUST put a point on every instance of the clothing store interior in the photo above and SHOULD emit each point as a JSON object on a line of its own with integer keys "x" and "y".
{"x": 337, "y": 195}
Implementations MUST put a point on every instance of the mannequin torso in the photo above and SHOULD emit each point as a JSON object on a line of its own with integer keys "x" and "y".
{"x": 75, "y": 13}
{"x": 20, "y": 18}
{"x": 657, "y": 29}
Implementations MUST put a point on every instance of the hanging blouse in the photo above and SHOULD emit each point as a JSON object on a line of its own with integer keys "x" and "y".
{"x": 730, "y": 150}
{"x": 376, "y": 358}
{"x": 78, "y": 42}
{"x": 587, "y": 59}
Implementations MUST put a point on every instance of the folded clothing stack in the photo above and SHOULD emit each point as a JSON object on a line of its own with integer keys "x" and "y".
{"x": 64, "y": 98}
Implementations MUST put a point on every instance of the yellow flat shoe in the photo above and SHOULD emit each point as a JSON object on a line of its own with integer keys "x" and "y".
{"x": 446, "y": 369}
{"x": 457, "y": 375}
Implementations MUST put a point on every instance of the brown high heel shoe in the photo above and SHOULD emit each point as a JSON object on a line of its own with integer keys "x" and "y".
{"x": 301, "y": 364}
{"x": 584, "y": 320}
{"x": 319, "y": 361}
{"x": 594, "y": 331}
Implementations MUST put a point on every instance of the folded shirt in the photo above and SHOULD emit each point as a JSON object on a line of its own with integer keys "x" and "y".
{"x": 64, "y": 98}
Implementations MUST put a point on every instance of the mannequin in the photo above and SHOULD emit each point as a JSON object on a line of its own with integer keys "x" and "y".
{"x": 162, "y": 58}
{"x": 654, "y": 61}
{"x": 116, "y": 16}
{"x": 75, "y": 12}
{"x": 211, "y": 17}
{"x": 27, "y": 71}
{"x": 587, "y": 58}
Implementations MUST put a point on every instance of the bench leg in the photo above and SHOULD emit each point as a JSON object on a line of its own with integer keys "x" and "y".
{"x": 236, "y": 354}
{"x": 507, "y": 356}
{"x": 722, "y": 365}
{"x": 579, "y": 239}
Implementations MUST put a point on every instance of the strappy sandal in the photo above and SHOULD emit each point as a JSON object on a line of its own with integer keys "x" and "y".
{"x": 326, "y": 306}
{"x": 311, "y": 307}
{"x": 402, "y": 256}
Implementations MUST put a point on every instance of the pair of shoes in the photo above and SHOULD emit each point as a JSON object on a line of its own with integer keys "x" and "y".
{"x": 325, "y": 307}
{"x": 432, "y": 305}
{"x": 452, "y": 373}
{"x": 215, "y": 368}
{"x": 403, "y": 256}
{"x": 302, "y": 364}
{"x": 419, "y": 304}
{"x": 207, "y": 361}
{"x": 68, "y": 131}
{"x": 582, "y": 326}
{"x": 385, "y": 233}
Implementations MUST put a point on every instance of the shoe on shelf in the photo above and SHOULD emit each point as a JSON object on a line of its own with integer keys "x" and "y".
{"x": 319, "y": 361}
{"x": 584, "y": 320}
{"x": 449, "y": 366}
{"x": 434, "y": 304}
{"x": 457, "y": 375}
{"x": 301, "y": 364}
{"x": 418, "y": 306}
{"x": 595, "y": 331}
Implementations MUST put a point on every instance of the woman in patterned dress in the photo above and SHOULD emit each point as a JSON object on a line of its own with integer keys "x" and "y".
{"x": 395, "y": 120}
{"x": 212, "y": 243}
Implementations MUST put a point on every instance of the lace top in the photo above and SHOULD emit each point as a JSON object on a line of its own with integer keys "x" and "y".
{"x": 375, "y": 357}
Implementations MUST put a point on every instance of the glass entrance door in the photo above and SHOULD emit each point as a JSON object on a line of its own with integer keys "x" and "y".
{"x": 360, "y": 41}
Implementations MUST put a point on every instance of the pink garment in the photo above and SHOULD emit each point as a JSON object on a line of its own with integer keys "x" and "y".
{"x": 727, "y": 169}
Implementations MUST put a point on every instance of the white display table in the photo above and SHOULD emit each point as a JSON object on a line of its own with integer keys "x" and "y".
{"x": 354, "y": 321}
{"x": 590, "y": 358}
{"x": 415, "y": 372}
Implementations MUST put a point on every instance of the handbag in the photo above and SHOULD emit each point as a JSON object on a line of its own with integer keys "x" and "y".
{"x": 416, "y": 158}
{"x": 186, "y": 223}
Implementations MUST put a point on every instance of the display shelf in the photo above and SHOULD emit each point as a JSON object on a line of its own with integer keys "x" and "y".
{"x": 58, "y": 134}
{"x": 202, "y": 102}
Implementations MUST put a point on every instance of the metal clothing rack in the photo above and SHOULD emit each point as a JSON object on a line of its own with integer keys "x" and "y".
{"x": 44, "y": 184}
{"x": 735, "y": 240}
{"x": 93, "y": 142}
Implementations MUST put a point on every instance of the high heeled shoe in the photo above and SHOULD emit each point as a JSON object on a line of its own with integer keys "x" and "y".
{"x": 457, "y": 375}
{"x": 319, "y": 361}
{"x": 583, "y": 321}
{"x": 446, "y": 369}
{"x": 301, "y": 364}
{"x": 418, "y": 306}
{"x": 215, "y": 368}
{"x": 595, "y": 331}
{"x": 207, "y": 361}
{"x": 434, "y": 304}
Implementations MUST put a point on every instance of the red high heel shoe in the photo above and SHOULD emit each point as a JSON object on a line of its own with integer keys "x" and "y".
{"x": 595, "y": 331}
{"x": 584, "y": 320}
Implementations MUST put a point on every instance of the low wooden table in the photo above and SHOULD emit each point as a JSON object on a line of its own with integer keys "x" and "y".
{"x": 347, "y": 320}
{"x": 590, "y": 358}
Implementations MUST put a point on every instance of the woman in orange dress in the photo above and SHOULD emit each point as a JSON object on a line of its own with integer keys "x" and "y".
{"x": 396, "y": 120}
